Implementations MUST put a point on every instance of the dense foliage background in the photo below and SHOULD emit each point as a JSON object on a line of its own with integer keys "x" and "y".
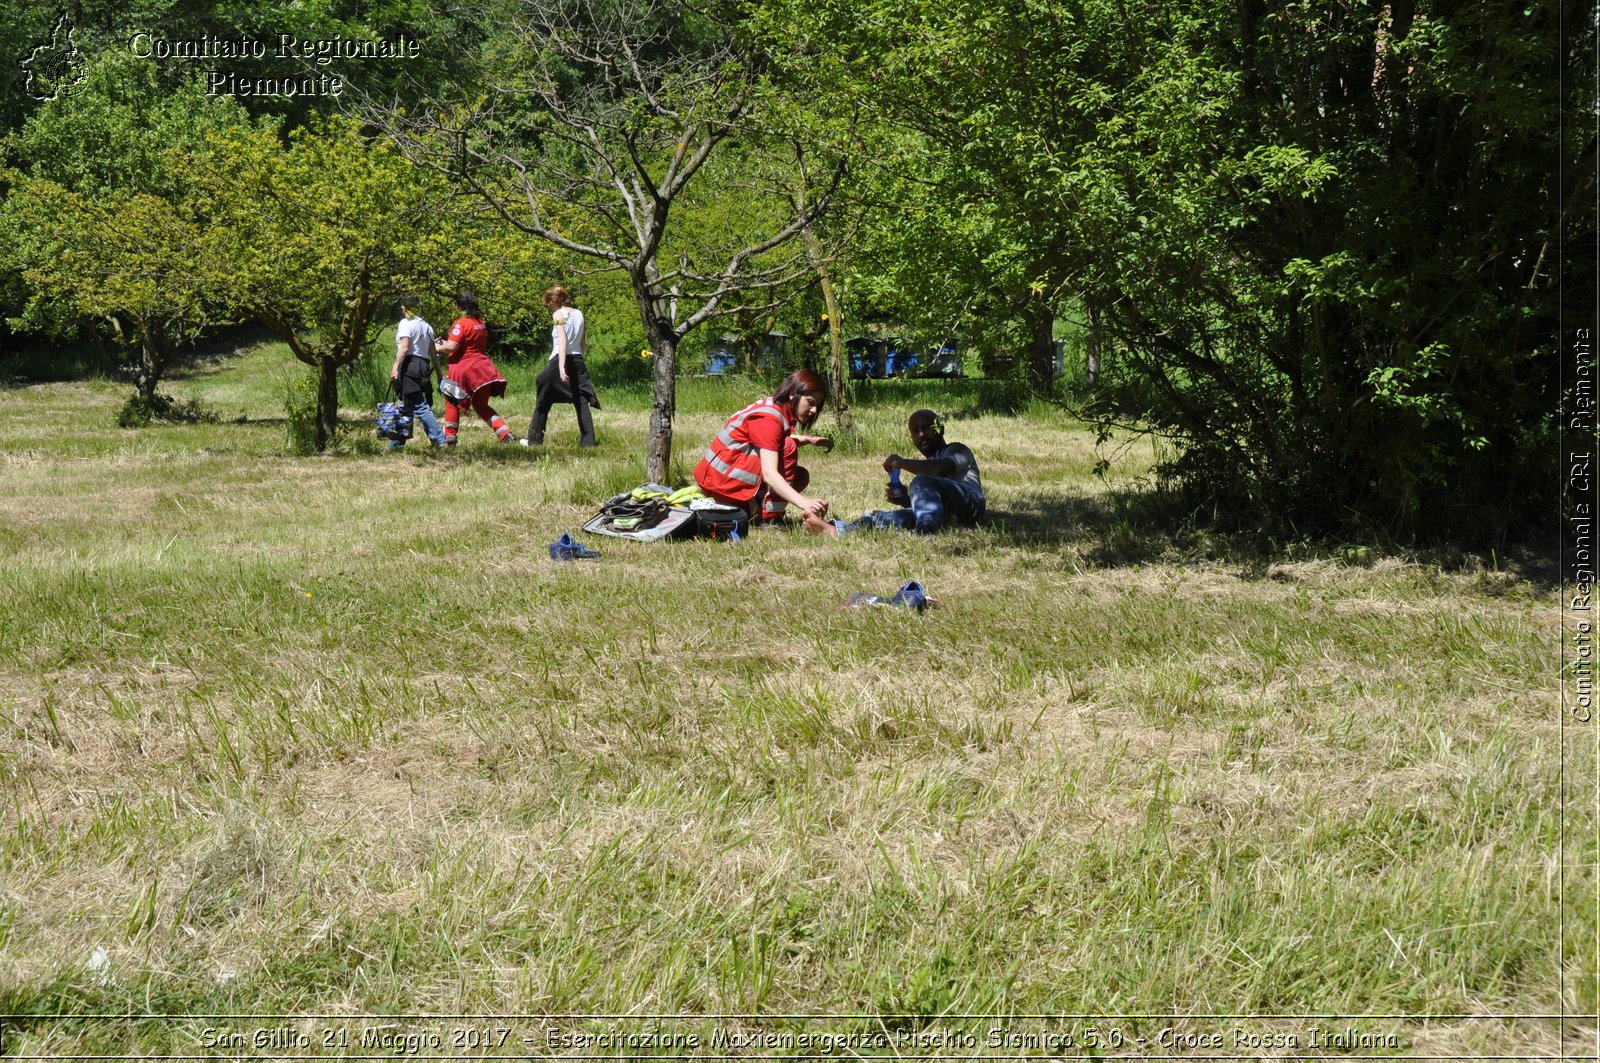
{"x": 1318, "y": 246}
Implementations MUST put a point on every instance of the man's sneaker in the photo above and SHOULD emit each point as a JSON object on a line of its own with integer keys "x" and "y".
{"x": 568, "y": 549}
{"x": 913, "y": 596}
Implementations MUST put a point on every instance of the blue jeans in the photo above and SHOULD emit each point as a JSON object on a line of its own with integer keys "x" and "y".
{"x": 935, "y": 501}
{"x": 421, "y": 411}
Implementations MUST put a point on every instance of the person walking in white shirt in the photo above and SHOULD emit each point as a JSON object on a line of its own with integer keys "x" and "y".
{"x": 415, "y": 365}
{"x": 565, "y": 377}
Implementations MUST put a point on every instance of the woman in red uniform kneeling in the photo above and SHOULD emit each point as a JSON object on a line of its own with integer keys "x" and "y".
{"x": 475, "y": 377}
{"x": 753, "y": 463}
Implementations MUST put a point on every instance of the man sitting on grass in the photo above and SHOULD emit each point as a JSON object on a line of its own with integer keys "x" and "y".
{"x": 944, "y": 488}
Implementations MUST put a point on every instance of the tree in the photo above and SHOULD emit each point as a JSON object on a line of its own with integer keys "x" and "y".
{"x": 954, "y": 234}
{"x": 322, "y": 234}
{"x": 1313, "y": 231}
{"x": 102, "y": 217}
{"x": 70, "y": 69}
{"x": 600, "y": 127}
{"x": 132, "y": 260}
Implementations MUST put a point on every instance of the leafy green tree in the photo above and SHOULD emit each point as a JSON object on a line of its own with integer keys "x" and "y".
{"x": 102, "y": 219}
{"x": 134, "y": 261}
{"x": 320, "y": 236}
{"x": 954, "y": 235}
{"x": 1318, "y": 234}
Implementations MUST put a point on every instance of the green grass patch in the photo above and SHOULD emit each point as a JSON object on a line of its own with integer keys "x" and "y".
{"x": 333, "y": 735}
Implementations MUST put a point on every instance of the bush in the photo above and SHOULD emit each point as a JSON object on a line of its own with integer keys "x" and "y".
{"x": 365, "y": 382}
{"x": 141, "y": 410}
{"x": 300, "y": 413}
{"x": 525, "y": 341}
{"x": 36, "y": 358}
{"x": 618, "y": 370}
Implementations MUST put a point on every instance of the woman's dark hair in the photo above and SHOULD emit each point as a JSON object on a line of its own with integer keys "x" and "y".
{"x": 467, "y": 303}
{"x": 801, "y": 382}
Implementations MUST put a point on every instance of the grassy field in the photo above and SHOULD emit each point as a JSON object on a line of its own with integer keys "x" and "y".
{"x": 334, "y": 737}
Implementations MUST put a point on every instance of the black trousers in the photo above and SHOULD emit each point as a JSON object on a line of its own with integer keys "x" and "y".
{"x": 551, "y": 391}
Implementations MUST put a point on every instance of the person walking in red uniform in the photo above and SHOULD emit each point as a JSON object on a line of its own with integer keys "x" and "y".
{"x": 753, "y": 463}
{"x": 475, "y": 377}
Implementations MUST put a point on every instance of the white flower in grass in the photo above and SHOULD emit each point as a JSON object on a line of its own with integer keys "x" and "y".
{"x": 100, "y": 965}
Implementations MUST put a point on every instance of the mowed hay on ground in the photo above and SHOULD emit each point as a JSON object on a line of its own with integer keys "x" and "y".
{"x": 334, "y": 735}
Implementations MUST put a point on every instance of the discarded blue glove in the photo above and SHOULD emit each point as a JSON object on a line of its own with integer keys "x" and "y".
{"x": 567, "y": 548}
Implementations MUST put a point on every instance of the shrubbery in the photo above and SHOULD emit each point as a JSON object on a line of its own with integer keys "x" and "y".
{"x": 300, "y": 413}
{"x": 141, "y": 410}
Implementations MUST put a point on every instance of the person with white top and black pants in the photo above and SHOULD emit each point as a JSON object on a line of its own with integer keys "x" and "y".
{"x": 415, "y": 363}
{"x": 565, "y": 378}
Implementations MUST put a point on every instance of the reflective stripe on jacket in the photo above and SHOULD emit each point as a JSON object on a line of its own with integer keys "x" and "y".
{"x": 731, "y": 467}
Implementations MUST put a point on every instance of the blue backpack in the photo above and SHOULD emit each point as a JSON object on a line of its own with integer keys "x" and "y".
{"x": 394, "y": 423}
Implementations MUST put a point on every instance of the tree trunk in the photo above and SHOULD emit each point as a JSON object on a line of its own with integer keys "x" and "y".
{"x": 761, "y": 344}
{"x": 1091, "y": 358}
{"x": 837, "y": 378}
{"x": 660, "y": 331}
{"x": 327, "y": 403}
{"x": 663, "y": 404}
{"x": 147, "y": 374}
{"x": 1041, "y": 349}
